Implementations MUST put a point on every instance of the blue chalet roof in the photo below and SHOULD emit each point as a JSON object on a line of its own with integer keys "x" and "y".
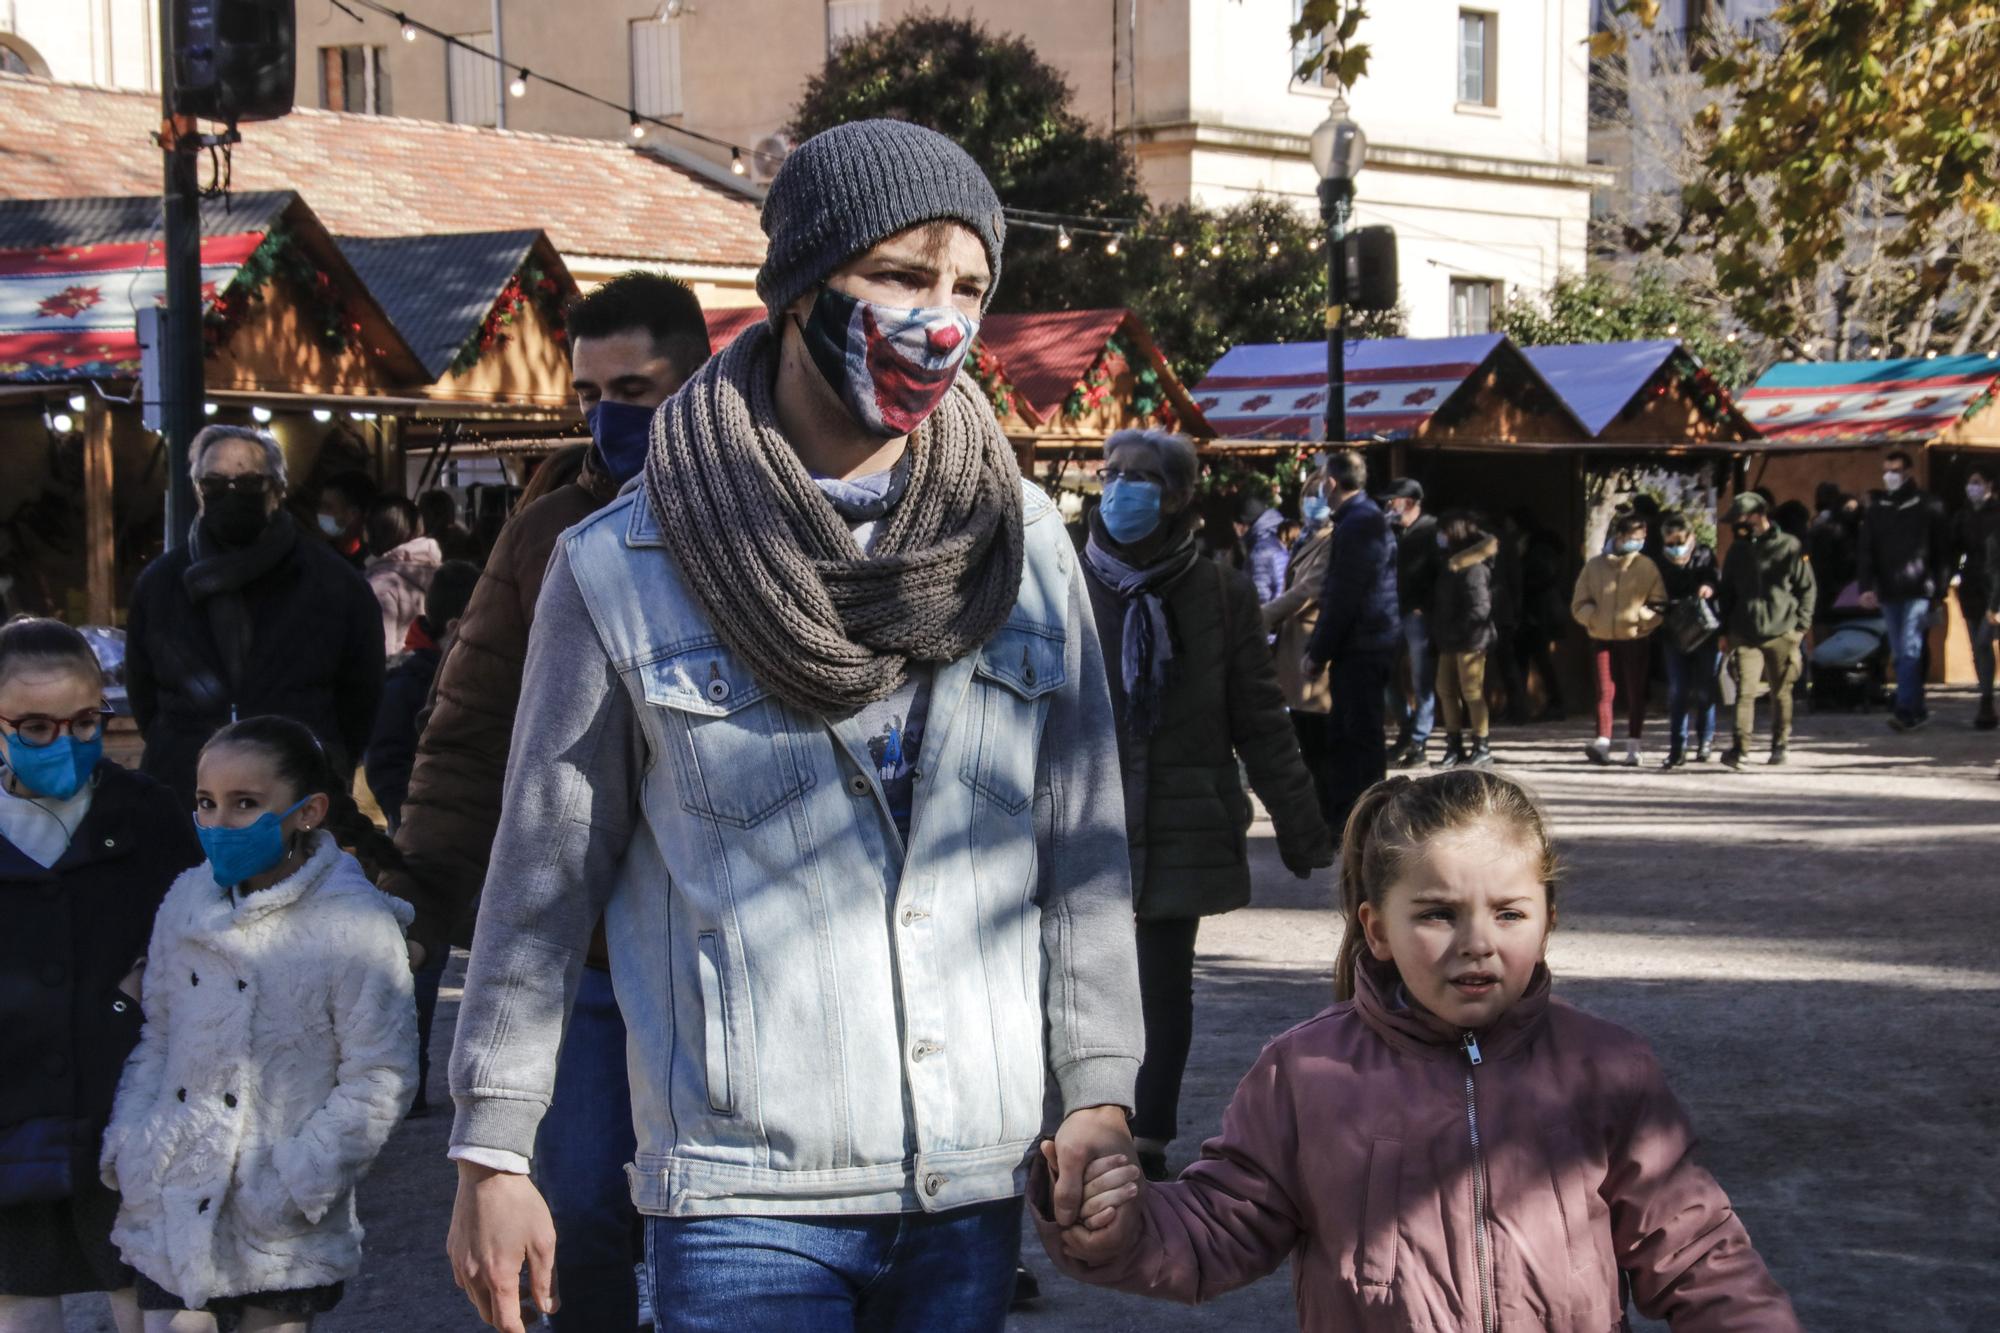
{"x": 1598, "y": 380}
{"x": 437, "y": 289}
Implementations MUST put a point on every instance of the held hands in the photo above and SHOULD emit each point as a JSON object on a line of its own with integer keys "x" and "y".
{"x": 499, "y": 1222}
{"x": 1870, "y": 602}
{"x": 1108, "y": 1221}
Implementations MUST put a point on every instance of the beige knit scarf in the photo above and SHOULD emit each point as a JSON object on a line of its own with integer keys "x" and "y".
{"x": 823, "y": 626}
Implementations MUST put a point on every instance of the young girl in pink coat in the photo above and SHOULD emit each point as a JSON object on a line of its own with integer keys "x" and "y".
{"x": 1448, "y": 1147}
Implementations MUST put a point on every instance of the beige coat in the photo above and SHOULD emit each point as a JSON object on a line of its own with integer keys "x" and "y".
{"x": 1294, "y": 615}
{"x": 1619, "y": 597}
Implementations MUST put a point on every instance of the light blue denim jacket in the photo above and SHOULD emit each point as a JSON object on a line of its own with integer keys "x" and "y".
{"x": 821, "y": 1020}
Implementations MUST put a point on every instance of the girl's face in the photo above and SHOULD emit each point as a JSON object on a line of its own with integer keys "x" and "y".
{"x": 1465, "y": 925}
{"x": 49, "y": 692}
{"x": 238, "y": 784}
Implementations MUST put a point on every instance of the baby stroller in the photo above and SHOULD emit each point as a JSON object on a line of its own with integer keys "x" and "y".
{"x": 1850, "y": 663}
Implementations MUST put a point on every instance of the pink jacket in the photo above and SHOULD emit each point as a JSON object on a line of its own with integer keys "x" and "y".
{"x": 1423, "y": 1181}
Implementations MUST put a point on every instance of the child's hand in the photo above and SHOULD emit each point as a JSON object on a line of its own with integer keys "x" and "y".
{"x": 1108, "y": 1223}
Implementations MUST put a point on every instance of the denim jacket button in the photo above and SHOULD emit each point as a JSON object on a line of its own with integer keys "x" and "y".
{"x": 718, "y": 689}
{"x": 932, "y": 1184}
{"x": 857, "y": 785}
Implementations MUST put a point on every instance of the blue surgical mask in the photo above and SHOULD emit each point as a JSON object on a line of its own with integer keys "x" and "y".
{"x": 1629, "y": 547}
{"x": 1131, "y": 510}
{"x": 329, "y": 525}
{"x": 622, "y": 433}
{"x": 1682, "y": 551}
{"x": 1315, "y": 511}
{"x": 58, "y": 769}
{"x": 237, "y": 854}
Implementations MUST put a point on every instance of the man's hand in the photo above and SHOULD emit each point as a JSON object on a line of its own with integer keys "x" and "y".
{"x": 499, "y": 1222}
{"x": 1110, "y": 1222}
{"x": 1707, "y": 592}
{"x": 1870, "y": 602}
{"x": 1085, "y": 1136}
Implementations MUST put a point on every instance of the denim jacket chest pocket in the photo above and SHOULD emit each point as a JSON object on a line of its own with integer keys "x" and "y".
{"x": 1018, "y": 668}
{"x": 737, "y": 758}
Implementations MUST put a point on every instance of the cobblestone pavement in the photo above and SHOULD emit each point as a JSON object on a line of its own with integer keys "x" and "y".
{"x": 1811, "y": 949}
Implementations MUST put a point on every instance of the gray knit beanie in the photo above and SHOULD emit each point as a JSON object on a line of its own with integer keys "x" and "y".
{"x": 847, "y": 188}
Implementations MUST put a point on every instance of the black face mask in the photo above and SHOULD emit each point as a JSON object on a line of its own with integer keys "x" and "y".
{"x": 233, "y": 519}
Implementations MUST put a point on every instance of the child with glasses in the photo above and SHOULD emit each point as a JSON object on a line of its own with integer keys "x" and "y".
{"x": 87, "y": 851}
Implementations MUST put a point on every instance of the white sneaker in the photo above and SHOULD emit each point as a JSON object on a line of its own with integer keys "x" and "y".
{"x": 1631, "y": 754}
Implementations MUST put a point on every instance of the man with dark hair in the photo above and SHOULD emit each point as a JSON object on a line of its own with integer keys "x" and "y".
{"x": 1901, "y": 564}
{"x": 850, "y": 1028}
{"x": 344, "y": 498}
{"x": 1972, "y": 528}
{"x": 439, "y": 510}
{"x": 1417, "y": 567}
{"x": 633, "y": 342}
{"x": 1356, "y": 635}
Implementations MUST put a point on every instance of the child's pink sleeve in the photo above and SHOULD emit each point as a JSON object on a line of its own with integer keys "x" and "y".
{"x": 1688, "y": 1254}
{"x": 1230, "y": 1219}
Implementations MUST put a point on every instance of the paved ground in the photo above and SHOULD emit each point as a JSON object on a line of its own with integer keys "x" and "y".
{"x": 1812, "y": 950}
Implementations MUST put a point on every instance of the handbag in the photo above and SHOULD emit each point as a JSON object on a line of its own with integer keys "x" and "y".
{"x": 1692, "y": 622}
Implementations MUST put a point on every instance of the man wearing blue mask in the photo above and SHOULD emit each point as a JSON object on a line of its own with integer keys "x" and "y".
{"x": 633, "y": 342}
{"x": 816, "y": 718}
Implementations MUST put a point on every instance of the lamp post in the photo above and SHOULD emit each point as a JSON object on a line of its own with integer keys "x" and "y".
{"x": 1338, "y": 149}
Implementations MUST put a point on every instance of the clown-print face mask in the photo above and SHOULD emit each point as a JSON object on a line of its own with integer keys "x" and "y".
{"x": 891, "y": 365}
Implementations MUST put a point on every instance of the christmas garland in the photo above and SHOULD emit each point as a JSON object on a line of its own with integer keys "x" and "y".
{"x": 279, "y": 256}
{"x": 986, "y": 370}
{"x": 527, "y": 282}
{"x": 1149, "y": 389}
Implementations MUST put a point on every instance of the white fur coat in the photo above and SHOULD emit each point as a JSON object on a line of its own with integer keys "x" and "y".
{"x": 279, "y": 1051}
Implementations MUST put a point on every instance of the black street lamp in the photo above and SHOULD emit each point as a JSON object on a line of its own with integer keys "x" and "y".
{"x": 1338, "y": 150}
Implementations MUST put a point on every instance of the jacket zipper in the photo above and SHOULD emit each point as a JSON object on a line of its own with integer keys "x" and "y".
{"x": 1480, "y": 1242}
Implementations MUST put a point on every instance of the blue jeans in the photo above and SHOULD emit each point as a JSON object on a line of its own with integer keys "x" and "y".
{"x": 586, "y": 1139}
{"x": 1415, "y": 721}
{"x": 916, "y": 1272}
{"x": 1909, "y": 623}
{"x": 1691, "y": 690}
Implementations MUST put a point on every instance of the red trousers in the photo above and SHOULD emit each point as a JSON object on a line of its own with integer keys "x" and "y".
{"x": 1621, "y": 669}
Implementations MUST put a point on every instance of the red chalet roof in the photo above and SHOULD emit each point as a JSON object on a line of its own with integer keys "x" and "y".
{"x": 386, "y": 176}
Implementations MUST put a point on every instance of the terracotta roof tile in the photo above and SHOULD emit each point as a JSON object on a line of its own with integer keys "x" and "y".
{"x": 385, "y": 176}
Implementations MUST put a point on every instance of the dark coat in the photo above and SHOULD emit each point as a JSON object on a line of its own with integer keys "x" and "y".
{"x": 1831, "y": 542}
{"x": 1903, "y": 554}
{"x": 315, "y": 657}
{"x": 1545, "y": 584}
{"x": 1685, "y": 581}
{"x": 453, "y": 802}
{"x": 392, "y": 750}
{"x": 74, "y": 930}
{"x": 1462, "y": 599}
{"x": 1768, "y": 590}
{"x": 1358, "y": 612}
{"x": 1417, "y": 563}
{"x": 1972, "y": 528}
{"x": 1185, "y": 811}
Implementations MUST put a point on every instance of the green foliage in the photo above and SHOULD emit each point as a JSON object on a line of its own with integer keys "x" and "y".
{"x": 1600, "y": 308}
{"x": 1011, "y": 111}
{"x": 1325, "y": 32}
{"x": 1201, "y": 304}
{"x": 1884, "y": 108}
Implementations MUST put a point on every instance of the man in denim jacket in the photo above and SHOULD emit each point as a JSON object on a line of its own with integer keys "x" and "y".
{"x": 816, "y": 715}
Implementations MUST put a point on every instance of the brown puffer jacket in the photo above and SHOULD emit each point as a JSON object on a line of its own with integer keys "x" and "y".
{"x": 454, "y": 802}
{"x": 1350, "y": 1149}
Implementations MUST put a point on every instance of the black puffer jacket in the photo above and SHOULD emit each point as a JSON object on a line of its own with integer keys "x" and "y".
{"x": 1904, "y": 551}
{"x": 1462, "y": 600}
{"x": 1685, "y": 581}
{"x": 73, "y": 931}
{"x": 316, "y": 656}
{"x": 1185, "y": 810}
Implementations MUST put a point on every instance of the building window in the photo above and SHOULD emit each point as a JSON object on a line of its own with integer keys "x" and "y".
{"x": 472, "y": 95}
{"x": 1472, "y": 302}
{"x": 352, "y": 78}
{"x": 656, "y": 67}
{"x": 1478, "y": 47}
{"x": 849, "y": 18}
{"x": 1310, "y": 47}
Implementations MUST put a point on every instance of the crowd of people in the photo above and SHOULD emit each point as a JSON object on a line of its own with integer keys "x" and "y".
{"x": 893, "y": 807}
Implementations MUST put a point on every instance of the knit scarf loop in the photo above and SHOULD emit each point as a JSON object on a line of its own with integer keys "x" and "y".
{"x": 824, "y": 627}
{"x": 1147, "y": 644}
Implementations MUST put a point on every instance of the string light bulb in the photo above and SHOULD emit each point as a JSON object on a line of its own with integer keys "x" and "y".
{"x": 1729, "y": 337}
{"x": 1062, "y": 238}
{"x": 1313, "y": 245}
{"x": 1111, "y": 246}
{"x": 736, "y": 162}
{"x": 322, "y": 415}
{"x": 1930, "y": 356}
{"x": 260, "y": 415}
{"x": 1272, "y": 249}
{"x": 638, "y": 128}
{"x": 208, "y": 409}
{"x": 409, "y": 29}
{"x": 77, "y": 402}
{"x": 62, "y": 423}
{"x": 1673, "y": 330}
{"x": 519, "y": 87}
{"x": 1215, "y": 251}
{"x": 1180, "y": 251}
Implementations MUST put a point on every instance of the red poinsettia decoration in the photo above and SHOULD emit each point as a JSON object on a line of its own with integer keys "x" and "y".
{"x": 69, "y": 302}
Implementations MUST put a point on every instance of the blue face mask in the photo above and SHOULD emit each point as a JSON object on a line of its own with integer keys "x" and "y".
{"x": 622, "y": 433}
{"x": 1682, "y": 551}
{"x": 1629, "y": 547}
{"x": 237, "y": 854}
{"x": 58, "y": 769}
{"x": 1131, "y": 510}
{"x": 1314, "y": 510}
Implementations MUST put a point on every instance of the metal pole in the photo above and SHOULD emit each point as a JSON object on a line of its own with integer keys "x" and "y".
{"x": 181, "y": 373}
{"x": 1333, "y": 200}
{"x": 500, "y": 79}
